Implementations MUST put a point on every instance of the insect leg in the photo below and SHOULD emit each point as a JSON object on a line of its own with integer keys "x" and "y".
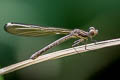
{"x": 77, "y": 42}
{"x": 95, "y": 41}
{"x": 85, "y": 44}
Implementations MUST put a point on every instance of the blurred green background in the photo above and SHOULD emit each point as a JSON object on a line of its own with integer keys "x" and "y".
{"x": 101, "y": 64}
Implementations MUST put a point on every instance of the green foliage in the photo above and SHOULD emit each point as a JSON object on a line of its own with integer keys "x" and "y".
{"x": 1, "y": 78}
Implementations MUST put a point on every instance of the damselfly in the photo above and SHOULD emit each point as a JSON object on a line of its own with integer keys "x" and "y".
{"x": 35, "y": 31}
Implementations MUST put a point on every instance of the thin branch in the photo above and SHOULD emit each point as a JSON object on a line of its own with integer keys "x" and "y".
{"x": 59, "y": 54}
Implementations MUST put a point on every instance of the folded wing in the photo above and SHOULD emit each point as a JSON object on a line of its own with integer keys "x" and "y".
{"x": 32, "y": 30}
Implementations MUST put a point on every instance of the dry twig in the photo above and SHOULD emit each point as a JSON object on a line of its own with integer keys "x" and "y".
{"x": 59, "y": 54}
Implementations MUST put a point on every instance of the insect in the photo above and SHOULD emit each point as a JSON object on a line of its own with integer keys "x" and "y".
{"x": 36, "y": 31}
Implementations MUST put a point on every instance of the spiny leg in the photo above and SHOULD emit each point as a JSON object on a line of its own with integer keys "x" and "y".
{"x": 77, "y": 42}
{"x": 95, "y": 41}
{"x": 85, "y": 44}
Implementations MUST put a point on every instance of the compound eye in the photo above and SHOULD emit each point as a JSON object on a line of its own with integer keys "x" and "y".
{"x": 92, "y": 33}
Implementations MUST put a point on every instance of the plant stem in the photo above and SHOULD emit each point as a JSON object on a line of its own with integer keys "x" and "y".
{"x": 59, "y": 54}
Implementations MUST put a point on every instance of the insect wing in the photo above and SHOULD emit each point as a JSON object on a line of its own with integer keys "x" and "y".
{"x": 32, "y": 30}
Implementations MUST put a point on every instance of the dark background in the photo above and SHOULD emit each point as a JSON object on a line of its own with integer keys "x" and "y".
{"x": 102, "y": 64}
